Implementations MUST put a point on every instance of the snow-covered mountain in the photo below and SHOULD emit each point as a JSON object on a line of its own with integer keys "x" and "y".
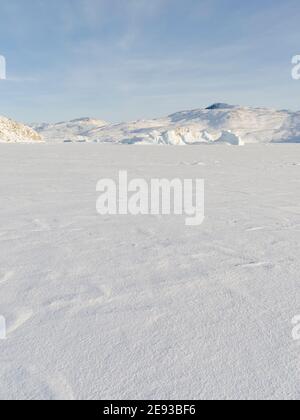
{"x": 219, "y": 123}
{"x": 75, "y": 130}
{"x": 14, "y": 132}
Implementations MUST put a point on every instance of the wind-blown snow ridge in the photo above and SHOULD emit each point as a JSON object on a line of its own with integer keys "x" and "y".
{"x": 219, "y": 123}
{"x": 14, "y": 132}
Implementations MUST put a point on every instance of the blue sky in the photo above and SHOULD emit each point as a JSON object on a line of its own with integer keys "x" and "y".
{"x": 128, "y": 59}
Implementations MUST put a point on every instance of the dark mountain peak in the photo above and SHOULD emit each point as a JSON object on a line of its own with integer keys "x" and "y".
{"x": 220, "y": 106}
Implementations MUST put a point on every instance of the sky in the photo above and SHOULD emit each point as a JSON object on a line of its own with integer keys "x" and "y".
{"x": 123, "y": 60}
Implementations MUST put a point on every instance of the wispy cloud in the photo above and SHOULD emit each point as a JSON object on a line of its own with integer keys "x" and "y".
{"x": 98, "y": 56}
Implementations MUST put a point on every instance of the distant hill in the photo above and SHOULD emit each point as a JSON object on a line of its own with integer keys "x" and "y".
{"x": 75, "y": 130}
{"x": 14, "y": 132}
{"x": 216, "y": 123}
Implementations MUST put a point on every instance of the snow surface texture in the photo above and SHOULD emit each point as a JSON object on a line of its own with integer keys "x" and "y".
{"x": 217, "y": 123}
{"x": 13, "y": 132}
{"x": 145, "y": 307}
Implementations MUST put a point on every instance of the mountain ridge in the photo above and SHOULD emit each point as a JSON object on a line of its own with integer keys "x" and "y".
{"x": 218, "y": 123}
{"x": 204, "y": 125}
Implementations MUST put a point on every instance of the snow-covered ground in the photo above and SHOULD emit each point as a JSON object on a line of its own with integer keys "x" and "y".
{"x": 145, "y": 307}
